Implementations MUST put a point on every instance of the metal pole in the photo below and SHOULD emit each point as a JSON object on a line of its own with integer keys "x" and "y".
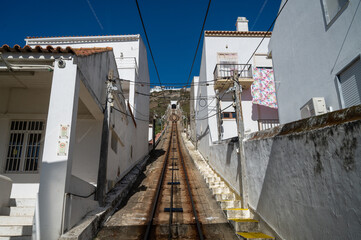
{"x": 102, "y": 170}
{"x": 219, "y": 119}
{"x": 153, "y": 133}
{"x": 240, "y": 133}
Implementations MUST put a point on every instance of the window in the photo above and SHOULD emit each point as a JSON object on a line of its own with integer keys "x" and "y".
{"x": 228, "y": 115}
{"x": 350, "y": 81}
{"x": 24, "y": 146}
{"x": 332, "y": 7}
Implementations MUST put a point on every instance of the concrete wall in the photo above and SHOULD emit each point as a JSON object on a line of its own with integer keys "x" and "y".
{"x": 308, "y": 54}
{"x": 86, "y": 159}
{"x": 303, "y": 177}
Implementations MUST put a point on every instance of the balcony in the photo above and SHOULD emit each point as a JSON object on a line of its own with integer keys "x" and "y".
{"x": 223, "y": 73}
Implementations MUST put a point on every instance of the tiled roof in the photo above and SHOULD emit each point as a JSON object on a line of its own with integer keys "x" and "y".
{"x": 51, "y": 49}
{"x": 237, "y": 33}
{"x": 37, "y": 49}
{"x": 90, "y": 51}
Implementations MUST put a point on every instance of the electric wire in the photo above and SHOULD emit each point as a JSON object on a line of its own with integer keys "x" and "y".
{"x": 146, "y": 36}
{"x": 199, "y": 41}
{"x": 169, "y": 83}
{"x": 118, "y": 110}
{"x": 220, "y": 111}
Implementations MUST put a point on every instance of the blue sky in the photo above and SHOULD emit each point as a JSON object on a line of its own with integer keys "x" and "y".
{"x": 173, "y": 27}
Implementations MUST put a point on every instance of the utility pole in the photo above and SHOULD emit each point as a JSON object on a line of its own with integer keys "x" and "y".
{"x": 219, "y": 118}
{"x": 153, "y": 133}
{"x": 240, "y": 133}
{"x": 103, "y": 159}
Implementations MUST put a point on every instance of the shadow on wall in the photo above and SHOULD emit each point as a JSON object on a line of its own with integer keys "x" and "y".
{"x": 230, "y": 147}
{"x": 306, "y": 185}
{"x": 260, "y": 112}
{"x": 206, "y": 131}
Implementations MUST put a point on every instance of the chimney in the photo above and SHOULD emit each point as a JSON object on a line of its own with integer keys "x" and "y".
{"x": 242, "y": 24}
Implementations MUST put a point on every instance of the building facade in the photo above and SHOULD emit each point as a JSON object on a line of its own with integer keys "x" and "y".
{"x": 223, "y": 53}
{"x": 315, "y": 48}
{"x": 63, "y": 107}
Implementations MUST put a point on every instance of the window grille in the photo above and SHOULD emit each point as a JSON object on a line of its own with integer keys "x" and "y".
{"x": 24, "y": 146}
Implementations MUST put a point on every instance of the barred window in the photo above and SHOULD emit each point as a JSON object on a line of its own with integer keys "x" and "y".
{"x": 24, "y": 146}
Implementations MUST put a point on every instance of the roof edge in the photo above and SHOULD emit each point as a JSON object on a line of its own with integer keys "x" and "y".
{"x": 73, "y": 39}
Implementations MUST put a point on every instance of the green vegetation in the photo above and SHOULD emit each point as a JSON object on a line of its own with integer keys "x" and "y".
{"x": 159, "y": 101}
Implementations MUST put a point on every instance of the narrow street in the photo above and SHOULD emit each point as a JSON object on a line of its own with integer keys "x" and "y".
{"x": 174, "y": 217}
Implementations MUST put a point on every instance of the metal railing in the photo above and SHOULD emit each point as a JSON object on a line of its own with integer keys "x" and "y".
{"x": 264, "y": 124}
{"x": 226, "y": 70}
{"x": 127, "y": 63}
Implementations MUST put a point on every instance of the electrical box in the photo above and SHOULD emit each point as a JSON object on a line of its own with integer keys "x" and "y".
{"x": 315, "y": 106}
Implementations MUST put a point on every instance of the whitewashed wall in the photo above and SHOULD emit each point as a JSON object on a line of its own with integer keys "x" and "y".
{"x": 21, "y": 104}
{"x": 133, "y": 141}
{"x": 207, "y": 127}
{"x": 307, "y": 55}
{"x": 304, "y": 180}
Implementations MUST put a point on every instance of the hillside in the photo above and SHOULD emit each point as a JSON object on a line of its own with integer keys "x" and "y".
{"x": 159, "y": 101}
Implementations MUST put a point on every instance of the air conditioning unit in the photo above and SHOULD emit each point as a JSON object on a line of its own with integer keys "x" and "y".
{"x": 315, "y": 106}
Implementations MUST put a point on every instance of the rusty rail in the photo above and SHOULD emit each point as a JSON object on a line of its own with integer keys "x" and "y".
{"x": 175, "y": 141}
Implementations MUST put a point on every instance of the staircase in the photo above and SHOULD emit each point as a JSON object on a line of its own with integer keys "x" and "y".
{"x": 16, "y": 221}
{"x": 241, "y": 219}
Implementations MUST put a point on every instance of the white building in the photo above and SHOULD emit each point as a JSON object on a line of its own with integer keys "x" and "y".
{"x": 192, "y": 105}
{"x": 156, "y": 89}
{"x": 51, "y": 113}
{"x": 224, "y": 52}
{"x": 316, "y": 47}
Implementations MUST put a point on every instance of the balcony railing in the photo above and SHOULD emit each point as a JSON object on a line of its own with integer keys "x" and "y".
{"x": 226, "y": 70}
{"x": 264, "y": 124}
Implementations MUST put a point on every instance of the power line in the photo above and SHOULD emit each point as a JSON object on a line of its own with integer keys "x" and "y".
{"x": 118, "y": 110}
{"x": 220, "y": 111}
{"x": 199, "y": 40}
{"x": 169, "y": 83}
{"x": 146, "y": 36}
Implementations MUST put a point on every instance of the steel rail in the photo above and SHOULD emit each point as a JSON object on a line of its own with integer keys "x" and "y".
{"x": 180, "y": 155}
{"x": 171, "y": 194}
{"x": 160, "y": 183}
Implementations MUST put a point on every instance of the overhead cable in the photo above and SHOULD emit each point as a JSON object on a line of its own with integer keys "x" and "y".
{"x": 199, "y": 41}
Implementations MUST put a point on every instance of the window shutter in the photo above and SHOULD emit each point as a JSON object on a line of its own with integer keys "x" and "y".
{"x": 350, "y": 80}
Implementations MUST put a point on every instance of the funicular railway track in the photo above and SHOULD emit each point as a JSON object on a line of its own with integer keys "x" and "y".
{"x": 173, "y": 214}
{"x": 170, "y": 200}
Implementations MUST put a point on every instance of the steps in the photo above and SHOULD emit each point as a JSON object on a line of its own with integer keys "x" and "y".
{"x": 16, "y": 221}
{"x": 241, "y": 219}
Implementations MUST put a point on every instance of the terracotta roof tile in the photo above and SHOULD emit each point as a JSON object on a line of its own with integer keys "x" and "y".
{"x": 237, "y": 33}
{"x": 50, "y": 49}
{"x": 36, "y": 49}
{"x": 90, "y": 51}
